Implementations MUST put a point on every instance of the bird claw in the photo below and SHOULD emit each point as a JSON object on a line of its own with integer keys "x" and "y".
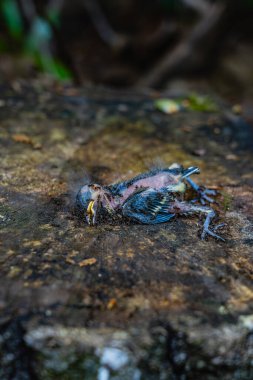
{"x": 206, "y": 231}
{"x": 210, "y": 191}
{"x": 204, "y": 195}
{"x": 219, "y": 226}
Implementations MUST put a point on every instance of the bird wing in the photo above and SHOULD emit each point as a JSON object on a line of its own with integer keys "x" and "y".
{"x": 149, "y": 206}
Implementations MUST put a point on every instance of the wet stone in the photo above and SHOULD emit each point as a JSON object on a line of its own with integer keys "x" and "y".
{"x": 120, "y": 300}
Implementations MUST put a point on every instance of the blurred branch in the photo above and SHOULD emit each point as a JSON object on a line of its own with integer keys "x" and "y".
{"x": 190, "y": 51}
{"x": 200, "y": 6}
{"x": 55, "y": 4}
{"x": 104, "y": 29}
{"x": 29, "y": 10}
{"x": 163, "y": 31}
{"x": 118, "y": 41}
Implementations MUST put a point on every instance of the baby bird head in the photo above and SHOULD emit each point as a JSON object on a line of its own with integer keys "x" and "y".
{"x": 90, "y": 198}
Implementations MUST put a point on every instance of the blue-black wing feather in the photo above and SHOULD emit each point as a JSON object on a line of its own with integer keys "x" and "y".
{"x": 149, "y": 206}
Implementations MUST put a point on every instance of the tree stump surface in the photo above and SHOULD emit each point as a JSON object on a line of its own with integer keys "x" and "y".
{"x": 120, "y": 300}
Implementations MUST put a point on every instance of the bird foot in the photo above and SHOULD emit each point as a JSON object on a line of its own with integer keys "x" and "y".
{"x": 204, "y": 193}
{"x": 207, "y": 231}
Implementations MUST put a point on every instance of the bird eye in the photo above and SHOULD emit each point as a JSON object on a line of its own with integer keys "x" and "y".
{"x": 96, "y": 187}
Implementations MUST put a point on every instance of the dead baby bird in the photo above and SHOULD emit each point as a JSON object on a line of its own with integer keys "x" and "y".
{"x": 149, "y": 198}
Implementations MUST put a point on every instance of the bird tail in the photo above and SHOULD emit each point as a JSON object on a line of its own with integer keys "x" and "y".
{"x": 191, "y": 170}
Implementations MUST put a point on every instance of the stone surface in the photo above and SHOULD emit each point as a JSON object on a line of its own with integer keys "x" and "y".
{"x": 120, "y": 301}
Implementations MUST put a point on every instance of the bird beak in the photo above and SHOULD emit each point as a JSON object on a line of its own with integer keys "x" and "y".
{"x": 91, "y": 213}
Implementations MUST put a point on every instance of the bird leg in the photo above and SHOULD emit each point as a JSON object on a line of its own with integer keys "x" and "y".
{"x": 185, "y": 208}
{"x": 202, "y": 192}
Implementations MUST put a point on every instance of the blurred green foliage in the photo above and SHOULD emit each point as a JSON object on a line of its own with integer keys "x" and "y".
{"x": 201, "y": 103}
{"x": 54, "y": 17}
{"x": 35, "y": 42}
{"x": 193, "y": 102}
{"x": 12, "y": 17}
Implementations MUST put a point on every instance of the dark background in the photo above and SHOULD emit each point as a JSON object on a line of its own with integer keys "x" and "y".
{"x": 144, "y": 43}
